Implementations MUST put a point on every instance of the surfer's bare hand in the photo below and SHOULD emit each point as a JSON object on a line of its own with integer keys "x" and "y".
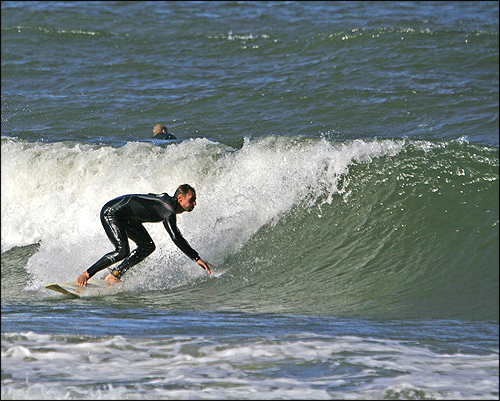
{"x": 82, "y": 279}
{"x": 203, "y": 265}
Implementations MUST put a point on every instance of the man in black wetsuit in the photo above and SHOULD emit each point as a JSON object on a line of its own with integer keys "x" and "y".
{"x": 160, "y": 132}
{"x": 122, "y": 218}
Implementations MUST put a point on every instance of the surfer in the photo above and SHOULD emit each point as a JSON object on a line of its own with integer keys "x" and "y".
{"x": 160, "y": 132}
{"x": 122, "y": 219}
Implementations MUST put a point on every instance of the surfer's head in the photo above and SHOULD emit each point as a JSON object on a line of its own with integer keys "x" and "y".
{"x": 186, "y": 198}
{"x": 159, "y": 128}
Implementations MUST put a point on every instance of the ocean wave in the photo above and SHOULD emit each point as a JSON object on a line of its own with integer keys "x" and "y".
{"x": 379, "y": 227}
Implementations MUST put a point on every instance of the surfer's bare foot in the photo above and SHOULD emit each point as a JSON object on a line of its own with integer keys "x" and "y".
{"x": 82, "y": 279}
{"x": 111, "y": 280}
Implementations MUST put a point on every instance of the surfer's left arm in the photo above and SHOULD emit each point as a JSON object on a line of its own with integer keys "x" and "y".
{"x": 171, "y": 227}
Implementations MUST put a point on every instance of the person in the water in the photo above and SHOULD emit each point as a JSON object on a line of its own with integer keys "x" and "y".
{"x": 122, "y": 219}
{"x": 160, "y": 132}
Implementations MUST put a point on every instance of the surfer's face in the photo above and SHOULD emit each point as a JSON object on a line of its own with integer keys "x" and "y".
{"x": 188, "y": 202}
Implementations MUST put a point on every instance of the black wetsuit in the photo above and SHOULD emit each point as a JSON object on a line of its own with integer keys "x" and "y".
{"x": 164, "y": 135}
{"x": 122, "y": 218}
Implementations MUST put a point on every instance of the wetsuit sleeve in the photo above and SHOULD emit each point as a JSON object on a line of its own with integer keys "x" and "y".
{"x": 171, "y": 227}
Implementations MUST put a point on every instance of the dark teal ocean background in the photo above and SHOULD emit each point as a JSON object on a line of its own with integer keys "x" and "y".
{"x": 346, "y": 161}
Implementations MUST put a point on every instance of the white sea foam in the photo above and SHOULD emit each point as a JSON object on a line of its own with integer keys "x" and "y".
{"x": 303, "y": 366}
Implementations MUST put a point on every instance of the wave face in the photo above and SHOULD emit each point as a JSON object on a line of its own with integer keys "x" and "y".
{"x": 377, "y": 228}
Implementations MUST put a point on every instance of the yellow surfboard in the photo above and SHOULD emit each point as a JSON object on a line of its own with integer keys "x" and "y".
{"x": 94, "y": 287}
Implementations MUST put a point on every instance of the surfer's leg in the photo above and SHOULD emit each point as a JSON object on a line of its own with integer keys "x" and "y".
{"x": 116, "y": 231}
{"x": 145, "y": 246}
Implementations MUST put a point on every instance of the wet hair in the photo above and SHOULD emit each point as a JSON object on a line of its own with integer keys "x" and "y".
{"x": 159, "y": 128}
{"x": 183, "y": 190}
